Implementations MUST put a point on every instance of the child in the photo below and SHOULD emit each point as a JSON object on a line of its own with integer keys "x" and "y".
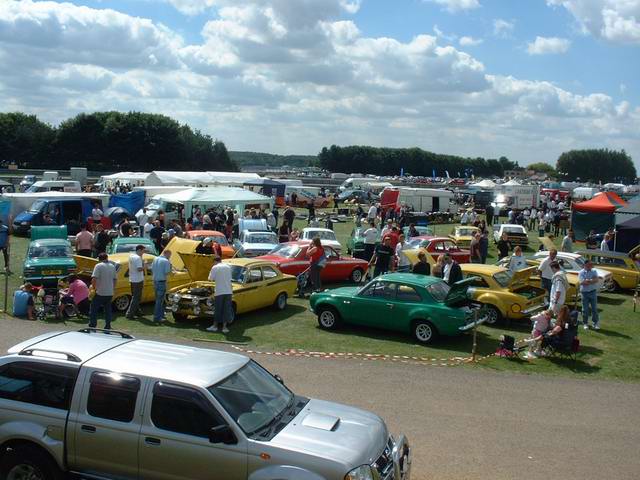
{"x": 541, "y": 323}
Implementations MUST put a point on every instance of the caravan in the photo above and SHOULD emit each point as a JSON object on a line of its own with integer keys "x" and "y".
{"x": 54, "y": 186}
{"x": 419, "y": 199}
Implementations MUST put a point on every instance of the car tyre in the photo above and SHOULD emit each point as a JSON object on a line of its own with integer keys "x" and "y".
{"x": 281, "y": 302}
{"x": 180, "y": 317}
{"x": 328, "y": 318}
{"x": 424, "y": 331}
{"x": 493, "y": 315}
{"x": 121, "y": 303}
{"x": 356, "y": 275}
{"x": 28, "y": 462}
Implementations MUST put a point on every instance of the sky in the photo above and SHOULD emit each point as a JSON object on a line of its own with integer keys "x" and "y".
{"x": 527, "y": 79}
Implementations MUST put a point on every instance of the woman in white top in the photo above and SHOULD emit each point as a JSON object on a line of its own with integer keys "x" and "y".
{"x": 517, "y": 261}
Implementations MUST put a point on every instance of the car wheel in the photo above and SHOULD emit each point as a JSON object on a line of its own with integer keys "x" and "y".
{"x": 281, "y": 301}
{"x": 615, "y": 287}
{"x": 424, "y": 331}
{"x": 180, "y": 317}
{"x": 122, "y": 303}
{"x": 492, "y": 314}
{"x": 28, "y": 463}
{"x": 356, "y": 275}
{"x": 328, "y": 318}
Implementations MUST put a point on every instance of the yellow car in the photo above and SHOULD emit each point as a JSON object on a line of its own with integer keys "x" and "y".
{"x": 256, "y": 284}
{"x": 625, "y": 272}
{"x": 122, "y": 292}
{"x": 463, "y": 234}
{"x": 504, "y": 295}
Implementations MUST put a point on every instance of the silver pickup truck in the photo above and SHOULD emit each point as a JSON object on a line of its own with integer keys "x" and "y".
{"x": 102, "y": 404}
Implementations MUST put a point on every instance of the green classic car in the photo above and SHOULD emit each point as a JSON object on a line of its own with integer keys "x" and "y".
{"x": 129, "y": 244}
{"x": 422, "y": 306}
{"x": 49, "y": 256}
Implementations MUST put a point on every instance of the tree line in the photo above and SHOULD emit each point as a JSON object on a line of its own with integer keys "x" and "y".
{"x": 272, "y": 160}
{"x": 597, "y": 165}
{"x": 414, "y": 161}
{"x": 109, "y": 141}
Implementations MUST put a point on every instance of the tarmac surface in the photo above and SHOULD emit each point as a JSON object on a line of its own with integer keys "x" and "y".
{"x": 465, "y": 423}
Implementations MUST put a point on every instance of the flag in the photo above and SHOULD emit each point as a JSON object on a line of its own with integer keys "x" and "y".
{"x": 434, "y": 173}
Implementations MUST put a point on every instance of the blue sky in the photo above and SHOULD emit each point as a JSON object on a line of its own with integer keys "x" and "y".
{"x": 527, "y": 79}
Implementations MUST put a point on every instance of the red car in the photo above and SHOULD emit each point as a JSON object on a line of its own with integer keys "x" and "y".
{"x": 291, "y": 258}
{"x": 436, "y": 246}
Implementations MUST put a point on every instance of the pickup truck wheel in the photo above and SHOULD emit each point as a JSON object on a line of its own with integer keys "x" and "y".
{"x": 328, "y": 318}
{"x": 356, "y": 275}
{"x": 492, "y": 315}
{"x": 28, "y": 463}
{"x": 281, "y": 302}
{"x": 121, "y": 303}
{"x": 424, "y": 331}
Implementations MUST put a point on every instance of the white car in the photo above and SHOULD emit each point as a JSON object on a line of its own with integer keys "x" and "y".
{"x": 255, "y": 243}
{"x": 327, "y": 237}
{"x": 516, "y": 234}
{"x": 573, "y": 263}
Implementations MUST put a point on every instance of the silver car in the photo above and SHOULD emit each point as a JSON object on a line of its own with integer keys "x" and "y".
{"x": 105, "y": 405}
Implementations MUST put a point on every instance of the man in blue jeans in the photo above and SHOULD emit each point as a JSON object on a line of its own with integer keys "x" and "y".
{"x": 588, "y": 279}
{"x": 103, "y": 281}
{"x": 161, "y": 268}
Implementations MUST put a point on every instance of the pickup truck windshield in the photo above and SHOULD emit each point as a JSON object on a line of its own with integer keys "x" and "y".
{"x": 253, "y": 398}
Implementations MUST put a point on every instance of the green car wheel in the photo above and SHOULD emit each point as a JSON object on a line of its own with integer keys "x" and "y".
{"x": 328, "y": 318}
{"x": 424, "y": 331}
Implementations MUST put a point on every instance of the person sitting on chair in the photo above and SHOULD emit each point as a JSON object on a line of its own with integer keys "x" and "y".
{"x": 555, "y": 335}
{"x": 77, "y": 294}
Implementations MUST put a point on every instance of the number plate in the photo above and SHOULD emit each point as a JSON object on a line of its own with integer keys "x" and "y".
{"x": 52, "y": 272}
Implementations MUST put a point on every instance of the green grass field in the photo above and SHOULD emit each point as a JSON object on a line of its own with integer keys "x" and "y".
{"x": 611, "y": 353}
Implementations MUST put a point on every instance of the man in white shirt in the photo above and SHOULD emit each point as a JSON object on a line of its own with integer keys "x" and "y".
{"x": 147, "y": 227}
{"x": 136, "y": 281}
{"x": 142, "y": 220}
{"x": 370, "y": 240}
{"x": 604, "y": 244}
{"x": 559, "y": 285}
{"x": 220, "y": 275}
{"x": 546, "y": 274}
{"x": 464, "y": 219}
{"x": 96, "y": 213}
{"x": 103, "y": 282}
{"x": 403, "y": 262}
{"x": 372, "y": 214}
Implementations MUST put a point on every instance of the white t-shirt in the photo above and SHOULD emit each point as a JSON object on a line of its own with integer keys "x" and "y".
{"x": 604, "y": 246}
{"x": 403, "y": 260}
{"x": 370, "y": 236}
{"x": 135, "y": 262}
{"x": 373, "y": 211}
{"x": 220, "y": 274}
{"x": 105, "y": 275}
{"x": 142, "y": 219}
{"x": 545, "y": 268}
{"x": 147, "y": 228}
{"x": 558, "y": 285}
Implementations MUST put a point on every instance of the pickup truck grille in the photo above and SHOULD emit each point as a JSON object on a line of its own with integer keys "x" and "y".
{"x": 384, "y": 464}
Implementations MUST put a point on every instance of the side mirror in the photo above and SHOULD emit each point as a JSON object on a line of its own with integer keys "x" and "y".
{"x": 279, "y": 378}
{"x": 222, "y": 434}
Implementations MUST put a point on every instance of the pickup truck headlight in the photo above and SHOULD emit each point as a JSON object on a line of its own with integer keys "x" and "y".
{"x": 363, "y": 472}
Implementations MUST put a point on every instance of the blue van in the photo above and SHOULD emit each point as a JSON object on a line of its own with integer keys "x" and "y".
{"x": 62, "y": 211}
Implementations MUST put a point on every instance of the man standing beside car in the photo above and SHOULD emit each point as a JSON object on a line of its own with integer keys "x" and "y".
{"x": 588, "y": 279}
{"x": 160, "y": 268}
{"x": 103, "y": 282}
{"x": 220, "y": 275}
{"x": 136, "y": 281}
{"x": 452, "y": 272}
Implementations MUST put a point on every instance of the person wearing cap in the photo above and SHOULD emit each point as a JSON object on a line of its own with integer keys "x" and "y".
{"x": 588, "y": 280}
{"x": 23, "y": 305}
{"x": 136, "y": 281}
{"x": 103, "y": 282}
{"x": 205, "y": 247}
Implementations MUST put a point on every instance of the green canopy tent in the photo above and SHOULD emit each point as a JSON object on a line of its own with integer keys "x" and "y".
{"x": 597, "y": 214}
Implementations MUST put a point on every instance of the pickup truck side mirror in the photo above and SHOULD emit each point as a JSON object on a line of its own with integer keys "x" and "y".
{"x": 222, "y": 434}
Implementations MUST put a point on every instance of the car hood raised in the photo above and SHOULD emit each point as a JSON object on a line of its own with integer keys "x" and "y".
{"x": 330, "y": 430}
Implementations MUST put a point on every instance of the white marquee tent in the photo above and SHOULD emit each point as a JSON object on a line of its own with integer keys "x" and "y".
{"x": 233, "y": 197}
{"x": 161, "y": 178}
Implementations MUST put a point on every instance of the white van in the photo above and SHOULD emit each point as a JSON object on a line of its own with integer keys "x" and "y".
{"x": 55, "y": 186}
{"x": 354, "y": 183}
{"x": 50, "y": 175}
{"x": 376, "y": 187}
{"x": 584, "y": 193}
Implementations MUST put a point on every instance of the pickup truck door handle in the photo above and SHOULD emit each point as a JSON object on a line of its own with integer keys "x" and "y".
{"x": 151, "y": 441}
{"x": 88, "y": 428}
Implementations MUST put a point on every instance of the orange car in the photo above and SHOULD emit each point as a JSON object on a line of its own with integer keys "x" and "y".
{"x": 219, "y": 238}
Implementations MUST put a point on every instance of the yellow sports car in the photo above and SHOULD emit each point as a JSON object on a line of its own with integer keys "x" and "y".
{"x": 122, "y": 292}
{"x": 256, "y": 284}
{"x": 625, "y": 272}
{"x": 504, "y": 295}
{"x": 463, "y": 234}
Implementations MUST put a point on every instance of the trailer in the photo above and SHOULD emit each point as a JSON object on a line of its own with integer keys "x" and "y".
{"x": 515, "y": 195}
{"x": 419, "y": 199}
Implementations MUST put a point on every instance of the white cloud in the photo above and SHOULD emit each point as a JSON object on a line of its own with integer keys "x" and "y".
{"x": 454, "y": 6}
{"x": 502, "y": 27}
{"x": 613, "y": 20}
{"x": 264, "y": 69}
{"x": 470, "y": 41}
{"x": 548, "y": 45}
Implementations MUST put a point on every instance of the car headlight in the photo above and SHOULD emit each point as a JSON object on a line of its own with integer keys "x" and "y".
{"x": 196, "y": 310}
{"x": 516, "y": 308}
{"x": 195, "y": 301}
{"x": 174, "y": 307}
{"x": 209, "y": 302}
{"x": 176, "y": 297}
{"x": 363, "y": 472}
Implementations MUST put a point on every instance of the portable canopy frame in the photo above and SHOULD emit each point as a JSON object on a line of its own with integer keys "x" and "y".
{"x": 596, "y": 214}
